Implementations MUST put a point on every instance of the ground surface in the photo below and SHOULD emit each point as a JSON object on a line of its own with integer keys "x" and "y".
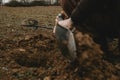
{"x": 30, "y": 54}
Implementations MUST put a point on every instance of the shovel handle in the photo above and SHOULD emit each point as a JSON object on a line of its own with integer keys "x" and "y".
{"x": 60, "y": 17}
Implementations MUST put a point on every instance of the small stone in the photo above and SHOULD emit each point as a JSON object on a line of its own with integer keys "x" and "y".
{"x": 9, "y": 25}
{"x": 22, "y": 50}
{"x": 39, "y": 79}
{"x": 27, "y": 37}
{"x": 5, "y": 68}
{"x": 76, "y": 69}
{"x": 12, "y": 30}
{"x": 15, "y": 70}
{"x": 65, "y": 77}
{"x": 47, "y": 78}
{"x": 117, "y": 66}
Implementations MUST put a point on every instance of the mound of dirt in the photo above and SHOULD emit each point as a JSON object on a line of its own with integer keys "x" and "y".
{"x": 32, "y": 51}
{"x": 91, "y": 61}
{"x": 38, "y": 58}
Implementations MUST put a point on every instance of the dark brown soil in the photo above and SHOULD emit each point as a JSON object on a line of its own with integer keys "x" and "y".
{"x": 38, "y": 58}
{"x": 29, "y": 54}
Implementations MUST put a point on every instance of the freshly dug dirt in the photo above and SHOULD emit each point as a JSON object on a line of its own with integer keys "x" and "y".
{"x": 37, "y": 57}
{"x": 32, "y": 54}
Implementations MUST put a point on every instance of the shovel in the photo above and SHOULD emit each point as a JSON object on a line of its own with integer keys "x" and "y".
{"x": 65, "y": 40}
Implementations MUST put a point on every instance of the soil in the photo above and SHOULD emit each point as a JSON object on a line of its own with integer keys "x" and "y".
{"x": 37, "y": 57}
{"x": 33, "y": 54}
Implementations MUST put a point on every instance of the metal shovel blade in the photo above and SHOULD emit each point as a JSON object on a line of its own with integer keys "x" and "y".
{"x": 66, "y": 42}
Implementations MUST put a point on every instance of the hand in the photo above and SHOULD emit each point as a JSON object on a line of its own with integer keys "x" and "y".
{"x": 58, "y": 18}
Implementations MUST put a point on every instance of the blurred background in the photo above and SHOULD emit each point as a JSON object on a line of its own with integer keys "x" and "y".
{"x": 28, "y": 2}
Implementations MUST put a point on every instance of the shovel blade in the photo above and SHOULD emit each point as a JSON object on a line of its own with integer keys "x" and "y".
{"x": 66, "y": 42}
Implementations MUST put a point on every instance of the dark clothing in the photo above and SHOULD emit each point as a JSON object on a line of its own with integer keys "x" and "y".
{"x": 69, "y": 5}
{"x": 100, "y": 17}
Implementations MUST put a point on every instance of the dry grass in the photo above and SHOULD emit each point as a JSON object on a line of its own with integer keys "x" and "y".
{"x": 11, "y": 17}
